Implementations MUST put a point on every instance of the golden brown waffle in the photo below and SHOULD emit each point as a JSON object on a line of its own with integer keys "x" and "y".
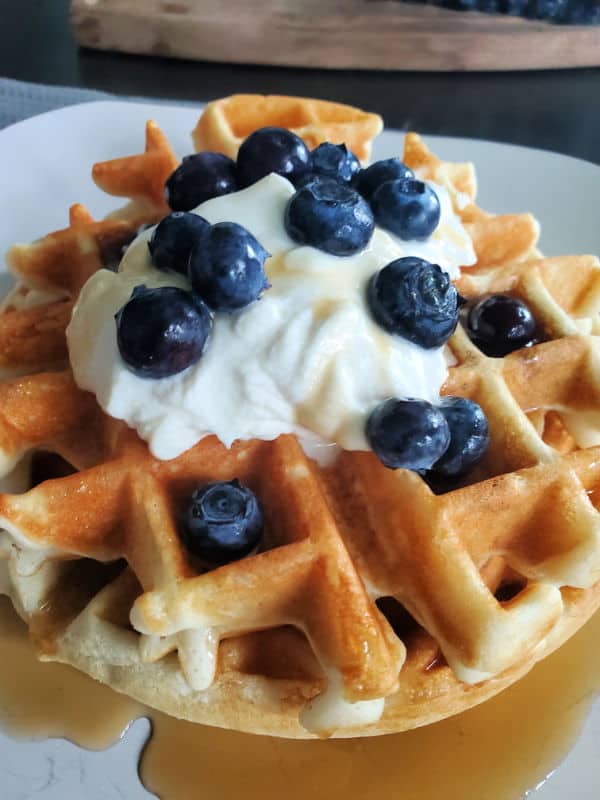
{"x": 497, "y": 238}
{"x": 368, "y": 584}
{"x": 225, "y": 123}
{"x": 141, "y": 178}
{"x": 64, "y": 260}
{"x": 50, "y": 273}
{"x": 32, "y": 337}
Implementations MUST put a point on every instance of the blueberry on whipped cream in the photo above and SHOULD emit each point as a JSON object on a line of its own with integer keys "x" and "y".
{"x": 334, "y": 161}
{"x": 415, "y": 299}
{"x": 408, "y": 434}
{"x": 198, "y": 178}
{"x": 469, "y": 437}
{"x": 161, "y": 332}
{"x": 311, "y": 356}
{"x": 331, "y": 216}
{"x": 443, "y": 441}
{"x": 223, "y": 522}
{"x": 226, "y": 267}
{"x": 407, "y": 207}
{"x": 173, "y": 239}
{"x": 269, "y": 150}
{"x": 371, "y": 178}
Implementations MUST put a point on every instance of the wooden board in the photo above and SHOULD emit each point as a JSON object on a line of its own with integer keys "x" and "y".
{"x": 368, "y": 34}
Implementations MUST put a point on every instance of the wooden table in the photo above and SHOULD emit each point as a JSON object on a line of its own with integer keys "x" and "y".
{"x": 556, "y": 110}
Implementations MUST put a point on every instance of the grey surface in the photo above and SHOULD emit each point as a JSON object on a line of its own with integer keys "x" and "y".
{"x": 20, "y": 100}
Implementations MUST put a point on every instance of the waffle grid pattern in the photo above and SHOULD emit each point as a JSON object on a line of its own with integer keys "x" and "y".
{"x": 338, "y": 539}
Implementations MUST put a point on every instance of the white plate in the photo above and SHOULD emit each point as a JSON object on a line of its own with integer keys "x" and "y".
{"x": 45, "y": 166}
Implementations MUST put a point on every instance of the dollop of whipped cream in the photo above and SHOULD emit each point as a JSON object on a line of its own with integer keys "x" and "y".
{"x": 306, "y": 358}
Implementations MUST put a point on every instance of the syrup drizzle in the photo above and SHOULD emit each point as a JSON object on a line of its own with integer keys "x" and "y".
{"x": 497, "y": 750}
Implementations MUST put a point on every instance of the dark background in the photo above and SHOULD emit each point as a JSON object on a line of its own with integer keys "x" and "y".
{"x": 556, "y": 110}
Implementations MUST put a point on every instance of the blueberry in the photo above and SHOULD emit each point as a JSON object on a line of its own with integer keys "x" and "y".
{"x": 515, "y": 7}
{"x": 582, "y": 12}
{"x": 271, "y": 150}
{"x": 161, "y": 332}
{"x": 406, "y": 207}
{"x": 461, "y": 5}
{"x": 226, "y": 267}
{"x": 310, "y": 177}
{"x": 552, "y": 10}
{"x": 330, "y": 216}
{"x": 173, "y": 239}
{"x": 371, "y": 178}
{"x": 470, "y": 5}
{"x": 469, "y": 437}
{"x": 335, "y": 161}
{"x": 407, "y": 434}
{"x": 223, "y": 522}
{"x": 414, "y": 299}
{"x": 499, "y": 324}
{"x": 198, "y": 178}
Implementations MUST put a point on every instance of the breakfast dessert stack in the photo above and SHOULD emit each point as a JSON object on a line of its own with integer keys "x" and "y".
{"x": 429, "y": 562}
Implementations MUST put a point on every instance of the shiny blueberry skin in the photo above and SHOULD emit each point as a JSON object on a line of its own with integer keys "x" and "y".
{"x": 271, "y": 150}
{"x": 226, "y": 267}
{"x": 499, "y": 324}
{"x": 161, "y": 332}
{"x": 407, "y": 434}
{"x": 223, "y": 522}
{"x": 469, "y": 437}
{"x": 330, "y": 216}
{"x": 198, "y": 178}
{"x": 173, "y": 239}
{"x": 371, "y": 178}
{"x": 406, "y": 207}
{"x": 334, "y": 161}
{"x": 414, "y": 299}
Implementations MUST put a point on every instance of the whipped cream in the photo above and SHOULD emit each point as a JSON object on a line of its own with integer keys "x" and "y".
{"x": 306, "y": 358}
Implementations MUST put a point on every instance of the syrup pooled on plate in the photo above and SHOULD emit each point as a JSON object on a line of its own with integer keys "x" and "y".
{"x": 42, "y": 700}
{"x": 497, "y": 750}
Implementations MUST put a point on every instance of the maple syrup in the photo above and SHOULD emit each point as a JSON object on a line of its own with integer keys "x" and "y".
{"x": 42, "y": 700}
{"x": 497, "y": 750}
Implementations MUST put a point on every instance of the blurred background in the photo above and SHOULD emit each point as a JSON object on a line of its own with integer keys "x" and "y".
{"x": 448, "y": 72}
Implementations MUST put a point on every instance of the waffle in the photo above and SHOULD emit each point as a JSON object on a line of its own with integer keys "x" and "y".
{"x": 225, "y": 123}
{"x": 140, "y": 178}
{"x": 374, "y": 605}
